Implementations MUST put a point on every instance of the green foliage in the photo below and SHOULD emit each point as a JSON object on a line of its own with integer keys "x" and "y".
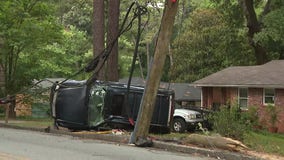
{"x": 77, "y": 13}
{"x": 59, "y": 59}
{"x": 35, "y": 45}
{"x": 271, "y": 35}
{"x": 232, "y": 12}
{"x": 270, "y": 17}
{"x": 272, "y": 112}
{"x": 251, "y": 116}
{"x": 25, "y": 26}
{"x": 51, "y": 38}
{"x": 229, "y": 122}
{"x": 203, "y": 48}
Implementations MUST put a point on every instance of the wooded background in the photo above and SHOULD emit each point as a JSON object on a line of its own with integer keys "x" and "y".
{"x": 55, "y": 38}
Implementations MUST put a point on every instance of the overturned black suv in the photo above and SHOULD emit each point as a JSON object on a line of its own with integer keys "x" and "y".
{"x": 78, "y": 106}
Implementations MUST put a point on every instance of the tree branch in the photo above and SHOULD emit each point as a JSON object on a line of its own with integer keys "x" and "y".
{"x": 266, "y": 10}
{"x": 254, "y": 26}
{"x": 252, "y": 22}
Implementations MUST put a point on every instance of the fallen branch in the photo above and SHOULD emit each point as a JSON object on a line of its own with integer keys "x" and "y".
{"x": 215, "y": 141}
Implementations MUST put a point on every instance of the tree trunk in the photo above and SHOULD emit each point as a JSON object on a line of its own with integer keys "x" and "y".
{"x": 113, "y": 22}
{"x": 254, "y": 26}
{"x": 98, "y": 32}
{"x": 153, "y": 80}
{"x": 216, "y": 141}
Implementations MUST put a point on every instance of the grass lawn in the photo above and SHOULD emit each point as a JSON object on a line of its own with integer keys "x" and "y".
{"x": 263, "y": 141}
{"x": 37, "y": 124}
{"x": 30, "y": 122}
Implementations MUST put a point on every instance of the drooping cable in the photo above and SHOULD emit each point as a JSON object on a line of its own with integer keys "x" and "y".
{"x": 139, "y": 11}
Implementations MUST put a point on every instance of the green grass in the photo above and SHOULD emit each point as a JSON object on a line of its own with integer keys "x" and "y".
{"x": 29, "y": 122}
{"x": 263, "y": 141}
{"x": 32, "y": 123}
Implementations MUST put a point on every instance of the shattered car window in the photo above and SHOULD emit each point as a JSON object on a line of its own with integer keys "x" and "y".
{"x": 96, "y": 104}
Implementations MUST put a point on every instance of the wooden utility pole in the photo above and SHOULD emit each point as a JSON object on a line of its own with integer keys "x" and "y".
{"x": 142, "y": 125}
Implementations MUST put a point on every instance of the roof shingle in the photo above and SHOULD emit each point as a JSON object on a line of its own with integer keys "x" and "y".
{"x": 269, "y": 75}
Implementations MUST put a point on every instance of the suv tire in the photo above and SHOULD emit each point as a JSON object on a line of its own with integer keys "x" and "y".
{"x": 179, "y": 125}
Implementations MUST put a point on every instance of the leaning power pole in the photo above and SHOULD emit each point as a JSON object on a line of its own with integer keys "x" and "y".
{"x": 142, "y": 125}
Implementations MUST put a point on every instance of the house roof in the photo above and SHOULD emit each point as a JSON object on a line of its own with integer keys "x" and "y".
{"x": 48, "y": 82}
{"x": 269, "y": 75}
{"x": 183, "y": 91}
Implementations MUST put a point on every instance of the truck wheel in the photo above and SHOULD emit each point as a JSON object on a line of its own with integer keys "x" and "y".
{"x": 179, "y": 125}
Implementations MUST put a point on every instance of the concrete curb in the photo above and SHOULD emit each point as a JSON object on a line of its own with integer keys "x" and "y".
{"x": 124, "y": 139}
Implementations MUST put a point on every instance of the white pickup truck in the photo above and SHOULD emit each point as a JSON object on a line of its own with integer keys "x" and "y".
{"x": 186, "y": 119}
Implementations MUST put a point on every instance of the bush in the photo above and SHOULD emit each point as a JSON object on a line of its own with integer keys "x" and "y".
{"x": 251, "y": 117}
{"x": 229, "y": 122}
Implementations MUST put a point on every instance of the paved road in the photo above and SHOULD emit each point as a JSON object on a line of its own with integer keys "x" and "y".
{"x": 28, "y": 145}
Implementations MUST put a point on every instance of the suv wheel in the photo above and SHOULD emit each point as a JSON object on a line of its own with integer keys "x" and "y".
{"x": 179, "y": 125}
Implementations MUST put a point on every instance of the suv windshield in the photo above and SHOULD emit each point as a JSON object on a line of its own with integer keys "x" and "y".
{"x": 96, "y": 104}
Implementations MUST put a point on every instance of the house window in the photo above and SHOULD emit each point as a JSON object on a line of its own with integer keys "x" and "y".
{"x": 243, "y": 98}
{"x": 268, "y": 96}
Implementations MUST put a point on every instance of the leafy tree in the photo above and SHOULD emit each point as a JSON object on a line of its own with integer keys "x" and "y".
{"x": 59, "y": 59}
{"x": 271, "y": 36}
{"x": 203, "y": 48}
{"x": 252, "y": 13}
{"x": 25, "y": 25}
{"x": 77, "y": 13}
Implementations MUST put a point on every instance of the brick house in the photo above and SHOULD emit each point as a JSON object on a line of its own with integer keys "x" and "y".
{"x": 247, "y": 86}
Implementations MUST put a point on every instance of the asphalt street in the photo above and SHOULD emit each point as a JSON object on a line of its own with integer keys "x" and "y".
{"x": 29, "y": 145}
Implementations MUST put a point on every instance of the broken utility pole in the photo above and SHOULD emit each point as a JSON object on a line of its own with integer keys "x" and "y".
{"x": 141, "y": 130}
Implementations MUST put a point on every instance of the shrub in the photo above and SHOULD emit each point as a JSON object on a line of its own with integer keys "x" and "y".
{"x": 272, "y": 112}
{"x": 229, "y": 122}
{"x": 251, "y": 117}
